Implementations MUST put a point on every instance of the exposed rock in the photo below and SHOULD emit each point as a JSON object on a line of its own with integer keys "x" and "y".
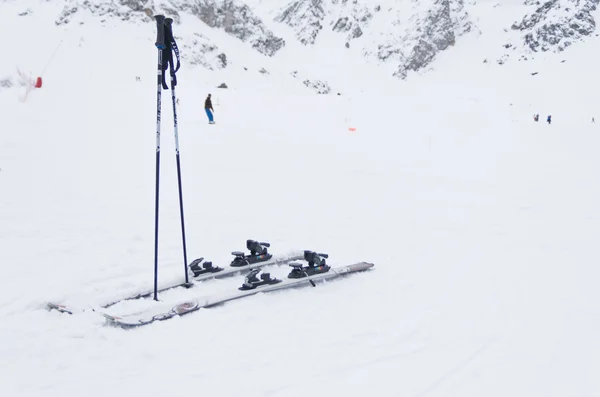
{"x": 557, "y": 24}
{"x": 135, "y": 5}
{"x": 411, "y": 41}
{"x": 122, "y": 9}
{"x": 223, "y": 85}
{"x": 306, "y": 17}
{"x": 237, "y": 19}
{"x": 354, "y": 18}
{"x": 232, "y": 16}
{"x": 502, "y": 60}
{"x": 320, "y": 87}
{"x": 198, "y": 50}
{"x": 65, "y": 15}
{"x": 222, "y": 60}
{"x": 435, "y": 32}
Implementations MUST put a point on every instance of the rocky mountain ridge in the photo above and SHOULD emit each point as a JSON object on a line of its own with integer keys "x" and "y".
{"x": 404, "y": 34}
{"x": 557, "y": 24}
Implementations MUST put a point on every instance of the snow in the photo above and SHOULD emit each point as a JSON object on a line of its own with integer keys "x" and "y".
{"x": 482, "y": 224}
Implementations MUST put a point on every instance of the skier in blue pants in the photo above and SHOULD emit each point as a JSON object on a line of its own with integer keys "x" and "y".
{"x": 209, "y": 110}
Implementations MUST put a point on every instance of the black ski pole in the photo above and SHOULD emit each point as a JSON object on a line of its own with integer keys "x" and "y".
{"x": 160, "y": 45}
{"x": 172, "y": 46}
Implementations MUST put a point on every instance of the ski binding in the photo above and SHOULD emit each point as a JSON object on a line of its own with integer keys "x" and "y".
{"x": 252, "y": 282}
{"x": 258, "y": 253}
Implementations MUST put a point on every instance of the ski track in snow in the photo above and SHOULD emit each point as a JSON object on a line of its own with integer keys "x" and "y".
{"x": 482, "y": 225}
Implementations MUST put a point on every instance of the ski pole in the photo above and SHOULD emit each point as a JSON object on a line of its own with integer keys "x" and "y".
{"x": 160, "y": 45}
{"x": 172, "y": 46}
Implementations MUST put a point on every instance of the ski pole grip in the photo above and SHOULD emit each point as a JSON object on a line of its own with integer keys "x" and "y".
{"x": 160, "y": 31}
{"x": 168, "y": 28}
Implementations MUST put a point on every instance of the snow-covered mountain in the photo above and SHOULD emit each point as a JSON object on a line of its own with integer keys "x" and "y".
{"x": 408, "y": 34}
{"x": 396, "y": 37}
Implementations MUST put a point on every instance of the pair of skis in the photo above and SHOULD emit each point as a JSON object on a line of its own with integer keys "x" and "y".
{"x": 200, "y": 270}
{"x": 251, "y": 286}
{"x": 251, "y": 265}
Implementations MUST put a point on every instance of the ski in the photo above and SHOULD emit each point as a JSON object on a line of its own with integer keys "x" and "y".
{"x": 214, "y": 273}
{"x": 200, "y": 270}
{"x": 251, "y": 286}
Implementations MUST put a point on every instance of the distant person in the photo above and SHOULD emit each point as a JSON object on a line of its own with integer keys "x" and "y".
{"x": 549, "y": 119}
{"x": 208, "y": 107}
{"x": 536, "y": 117}
{"x": 593, "y": 121}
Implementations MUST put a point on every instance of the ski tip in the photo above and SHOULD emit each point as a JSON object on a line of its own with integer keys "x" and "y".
{"x": 362, "y": 266}
{"x": 59, "y": 308}
{"x": 112, "y": 320}
{"x": 357, "y": 267}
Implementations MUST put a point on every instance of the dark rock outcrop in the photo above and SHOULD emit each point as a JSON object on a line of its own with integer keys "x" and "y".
{"x": 306, "y": 17}
{"x": 554, "y": 26}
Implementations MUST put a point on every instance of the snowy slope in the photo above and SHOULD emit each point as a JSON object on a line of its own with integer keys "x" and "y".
{"x": 482, "y": 224}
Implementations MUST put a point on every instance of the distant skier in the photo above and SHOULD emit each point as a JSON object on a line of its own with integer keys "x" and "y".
{"x": 536, "y": 117}
{"x": 549, "y": 119}
{"x": 208, "y": 107}
{"x": 593, "y": 121}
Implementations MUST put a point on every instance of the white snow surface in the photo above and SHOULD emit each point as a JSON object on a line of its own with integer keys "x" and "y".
{"x": 483, "y": 225}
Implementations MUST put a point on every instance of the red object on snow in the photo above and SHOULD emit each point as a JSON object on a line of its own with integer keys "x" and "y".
{"x": 38, "y": 82}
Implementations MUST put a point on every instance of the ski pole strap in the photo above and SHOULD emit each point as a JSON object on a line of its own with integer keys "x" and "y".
{"x": 170, "y": 39}
{"x": 170, "y": 47}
